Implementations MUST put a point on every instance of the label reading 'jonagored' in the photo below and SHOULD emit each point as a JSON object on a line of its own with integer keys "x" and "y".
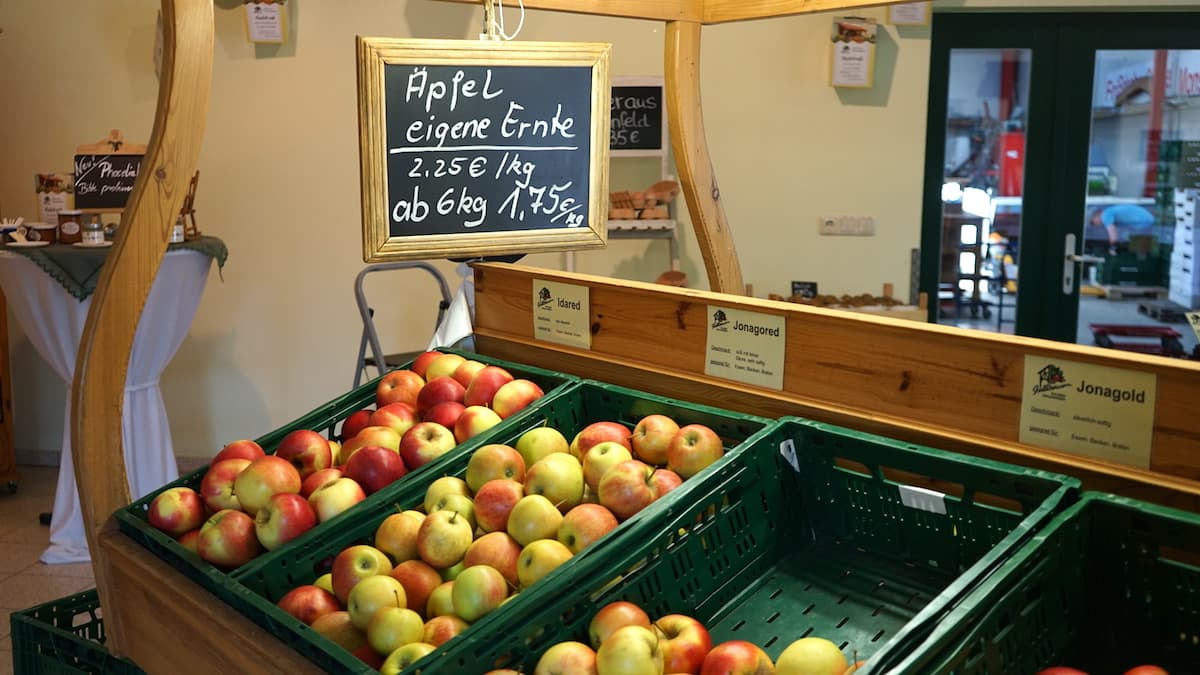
{"x": 746, "y": 347}
{"x": 1094, "y": 411}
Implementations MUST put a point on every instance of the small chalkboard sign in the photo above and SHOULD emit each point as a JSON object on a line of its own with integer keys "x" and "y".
{"x": 482, "y": 148}
{"x": 105, "y": 173}
{"x": 636, "y": 116}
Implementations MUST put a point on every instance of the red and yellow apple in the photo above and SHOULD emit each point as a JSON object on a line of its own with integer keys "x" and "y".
{"x": 651, "y": 437}
{"x": 693, "y": 448}
{"x": 494, "y": 501}
{"x": 176, "y": 510}
{"x": 539, "y": 442}
{"x": 598, "y": 432}
{"x": 245, "y": 449}
{"x": 396, "y": 535}
{"x": 498, "y": 550}
{"x": 443, "y": 538}
{"x": 425, "y": 442}
{"x": 473, "y": 421}
{"x": 630, "y": 650}
{"x": 738, "y": 657}
{"x": 559, "y": 477}
{"x": 685, "y": 643}
{"x": 540, "y": 558}
{"x": 306, "y": 450}
{"x": 600, "y": 458}
{"x": 354, "y": 564}
{"x": 419, "y": 579}
{"x": 216, "y": 487}
{"x": 583, "y": 525}
{"x": 477, "y": 591}
{"x": 483, "y": 387}
{"x": 567, "y": 657}
{"x": 534, "y": 517}
{"x": 515, "y": 396}
{"x": 372, "y": 594}
{"x": 335, "y": 497}
{"x": 398, "y": 385}
{"x": 399, "y": 416}
{"x": 627, "y": 488}
{"x": 227, "y": 539}
{"x": 284, "y": 517}
{"x": 612, "y": 616}
{"x": 308, "y": 603}
{"x": 375, "y": 468}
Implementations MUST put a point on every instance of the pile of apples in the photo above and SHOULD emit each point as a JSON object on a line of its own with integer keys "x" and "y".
{"x": 623, "y": 641}
{"x": 249, "y": 501}
{"x": 475, "y": 541}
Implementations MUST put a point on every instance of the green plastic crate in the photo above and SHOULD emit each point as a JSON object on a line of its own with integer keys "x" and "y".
{"x": 770, "y": 551}
{"x": 269, "y": 577}
{"x": 133, "y": 520}
{"x": 64, "y": 636}
{"x": 1111, "y": 583}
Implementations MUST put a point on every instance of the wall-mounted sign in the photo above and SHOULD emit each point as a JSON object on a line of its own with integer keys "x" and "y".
{"x": 482, "y": 148}
{"x": 266, "y": 21}
{"x": 105, "y": 173}
{"x": 562, "y": 313}
{"x": 852, "y": 62}
{"x": 1093, "y": 411}
{"x": 637, "y": 114}
{"x": 909, "y": 14}
{"x": 745, "y": 346}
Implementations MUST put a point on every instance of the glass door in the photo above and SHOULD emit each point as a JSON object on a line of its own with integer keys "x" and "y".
{"x": 1065, "y": 148}
{"x": 1137, "y": 264}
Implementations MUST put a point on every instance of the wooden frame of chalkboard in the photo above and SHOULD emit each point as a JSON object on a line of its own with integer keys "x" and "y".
{"x": 481, "y": 148}
{"x": 638, "y": 108}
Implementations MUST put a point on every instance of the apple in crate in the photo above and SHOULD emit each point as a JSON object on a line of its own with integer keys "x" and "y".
{"x": 356, "y": 422}
{"x": 540, "y": 558}
{"x": 811, "y": 654}
{"x": 216, "y": 487}
{"x": 284, "y": 517}
{"x": 400, "y": 660}
{"x": 393, "y": 627}
{"x": 584, "y": 525}
{"x": 559, "y": 477}
{"x": 227, "y": 539}
{"x": 375, "y": 468}
{"x": 308, "y": 603}
{"x": 353, "y": 564}
{"x": 190, "y": 540}
{"x": 338, "y": 629}
{"x": 445, "y": 413}
{"x": 498, "y": 550}
{"x": 421, "y": 364}
{"x": 514, "y": 397}
{"x": 425, "y": 442}
{"x": 443, "y": 538}
{"x": 262, "y": 478}
{"x": 612, "y": 616}
{"x": 534, "y": 517}
{"x": 477, "y": 591}
{"x": 494, "y": 461}
{"x": 399, "y": 416}
{"x": 686, "y": 643}
{"x": 600, "y": 458}
{"x": 651, "y": 437}
{"x": 372, "y": 594}
{"x": 467, "y": 371}
{"x": 693, "y": 448}
{"x": 494, "y": 501}
{"x": 439, "y": 490}
{"x": 334, "y": 497}
{"x": 485, "y": 384}
{"x": 743, "y": 658}
{"x": 599, "y": 432}
{"x": 318, "y": 479}
{"x": 441, "y": 629}
{"x": 438, "y": 390}
{"x": 396, "y": 535}
{"x": 244, "y": 449}
{"x": 630, "y": 650}
{"x": 419, "y": 579}
{"x": 664, "y": 480}
{"x": 306, "y": 450}
{"x": 398, "y": 385}
{"x": 444, "y": 366}
{"x": 176, "y": 510}
{"x": 473, "y": 421}
{"x": 440, "y": 602}
{"x": 377, "y": 436}
{"x": 567, "y": 657}
{"x": 627, "y": 488}
{"x": 539, "y": 442}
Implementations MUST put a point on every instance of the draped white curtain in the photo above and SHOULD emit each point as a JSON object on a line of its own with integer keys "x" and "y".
{"x": 53, "y": 322}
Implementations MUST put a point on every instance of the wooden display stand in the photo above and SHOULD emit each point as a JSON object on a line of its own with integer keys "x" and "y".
{"x": 8, "y": 461}
{"x": 924, "y": 383}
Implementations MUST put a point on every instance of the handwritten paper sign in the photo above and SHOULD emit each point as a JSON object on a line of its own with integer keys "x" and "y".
{"x": 562, "y": 313}
{"x": 474, "y": 148}
{"x": 909, "y": 14}
{"x": 745, "y": 346}
{"x": 1093, "y": 411}
{"x": 104, "y": 182}
{"x": 636, "y": 114}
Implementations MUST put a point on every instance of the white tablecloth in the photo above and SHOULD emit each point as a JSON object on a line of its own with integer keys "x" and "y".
{"x": 53, "y": 321}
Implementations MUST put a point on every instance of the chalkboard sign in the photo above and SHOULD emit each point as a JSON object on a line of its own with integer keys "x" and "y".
{"x": 636, "y": 116}
{"x": 104, "y": 182}
{"x": 481, "y": 148}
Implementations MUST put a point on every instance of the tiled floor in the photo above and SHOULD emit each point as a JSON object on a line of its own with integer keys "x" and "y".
{"x": 25, "y": 582}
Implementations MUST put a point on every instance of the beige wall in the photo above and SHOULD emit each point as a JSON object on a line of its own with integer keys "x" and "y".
{"x": 279, "y": 179}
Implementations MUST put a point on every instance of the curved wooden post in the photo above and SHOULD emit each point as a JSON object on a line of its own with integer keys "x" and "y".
{"x": 686, "y": 121}
{"x": 133, "y": 262}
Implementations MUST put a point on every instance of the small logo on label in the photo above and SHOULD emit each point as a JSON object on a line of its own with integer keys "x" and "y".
{"x": 720, "y": 321}
{"x": 1050, "y": 378}
{"x": 544, "y": 298}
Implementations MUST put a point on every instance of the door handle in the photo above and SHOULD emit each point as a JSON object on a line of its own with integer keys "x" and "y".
{"x": 1070, "y": 260}
{"x": 1076, "y": 258}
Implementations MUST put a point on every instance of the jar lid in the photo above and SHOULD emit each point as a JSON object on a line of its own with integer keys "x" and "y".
{"x": 70, "y": 212}
{"x": 42, "y": 226}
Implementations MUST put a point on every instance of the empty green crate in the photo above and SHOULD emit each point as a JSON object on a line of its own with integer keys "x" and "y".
{"x": 64, "y": 636}
{"x": 269, "y": 577}
{"x": 133, "y": 520}
{"x": 1111, "y": 583}
{"x": 811, "y": 530}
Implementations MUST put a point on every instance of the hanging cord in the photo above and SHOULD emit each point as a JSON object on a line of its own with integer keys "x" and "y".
{"x": 500, "y": 20}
